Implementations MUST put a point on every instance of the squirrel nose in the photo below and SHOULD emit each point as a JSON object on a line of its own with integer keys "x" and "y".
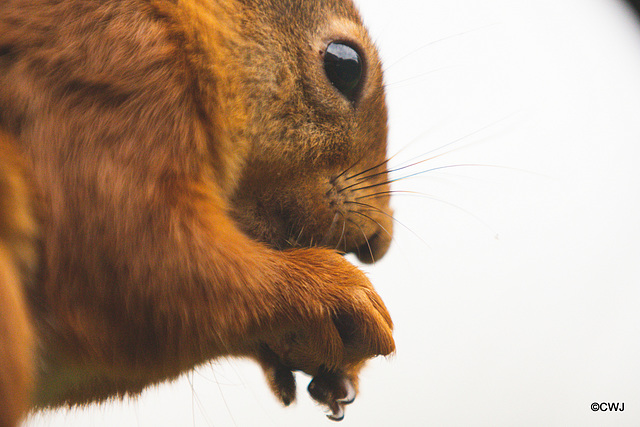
{"x": 375, "y": 246}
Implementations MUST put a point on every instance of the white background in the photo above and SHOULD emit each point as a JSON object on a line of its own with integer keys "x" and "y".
{"x": 515, "y": 289}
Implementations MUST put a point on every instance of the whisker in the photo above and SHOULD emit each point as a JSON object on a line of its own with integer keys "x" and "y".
{"x": 243, "y": 383}
{"x": 344, "y": 225}
{"x": 389, "y": 181}
{"x": 373, "y": 208}
{"x": 457, "y": 140}
{"x": 370, "y": 169}
{"x": 345, "y": 242}
{"x": 345, "y": 236}
{"x": 299, "y": 236}
{"x": 388, "y": 193}
{"x": 223, "y": 399}
{"x": 404, "y": 165}
{"x": 375, "y": 222}
{"x": 193, "y": 401}
{"x": 348, "y": 187}
{"x": 402, "y": 58}
{"x": 329, "y": 233}
{"x": 396, "y": 169}
{"x": 366, "y": 239}
{"x": 351, "y": 167}
{"x": 435, "y": 199}
{"x": 194, "y": 396}
{"x": 377, "y": 209}
{"x": 419, "y": 76}
{"x": 461, "y": 165}
{"x": 383, "y": 228}
{"x": 413, "y": 141}
{"x": 409, "y": 144}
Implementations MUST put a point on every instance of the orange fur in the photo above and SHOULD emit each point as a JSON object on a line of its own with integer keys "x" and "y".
{"x": 17, "y": 232}
{"x": 15, "y": 345}
{"x": 169, "y": 196}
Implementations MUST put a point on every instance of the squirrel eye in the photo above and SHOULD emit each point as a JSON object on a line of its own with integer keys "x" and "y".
{"x": 343, "y": 67}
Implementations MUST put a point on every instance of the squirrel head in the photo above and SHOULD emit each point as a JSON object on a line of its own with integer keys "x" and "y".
{"x": 314, "y": 171}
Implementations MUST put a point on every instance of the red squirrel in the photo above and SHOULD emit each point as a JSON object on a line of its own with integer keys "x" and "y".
{"x": 179, "y": 180}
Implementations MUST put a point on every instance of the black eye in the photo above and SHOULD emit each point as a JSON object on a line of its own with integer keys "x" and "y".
{"x": 343, "y": 67}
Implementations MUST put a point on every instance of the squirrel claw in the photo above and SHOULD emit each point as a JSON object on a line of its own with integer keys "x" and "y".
{"x": 337, "y": 411}
{"x": 334, "y": 391}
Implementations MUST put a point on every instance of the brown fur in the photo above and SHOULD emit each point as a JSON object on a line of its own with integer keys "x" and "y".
{"x": 186, "y": 158}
